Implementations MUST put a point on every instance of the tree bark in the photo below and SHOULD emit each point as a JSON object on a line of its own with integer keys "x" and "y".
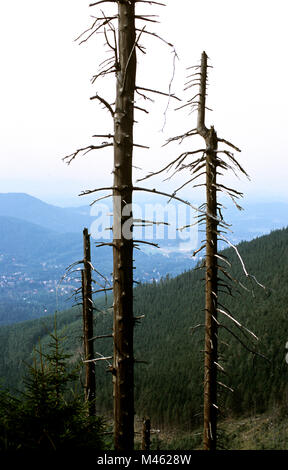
{"x": 123, "y": 360}
{"x": 211, "y": 342}
{"x": 90, "y": 384}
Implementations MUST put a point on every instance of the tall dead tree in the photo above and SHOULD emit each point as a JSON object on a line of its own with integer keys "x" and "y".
{"x": 209, "y": 164}
{"x": 211, "y": 281}
{"x": 90, "y": 385}
{"x": 123, "y": 41}
{"x": 123, "y": 358}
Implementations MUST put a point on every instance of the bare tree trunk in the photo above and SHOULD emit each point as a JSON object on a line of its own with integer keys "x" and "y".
{"x": 90, "y": 385}
{"x": 211, "y": 342}
{"x": 124, "y": 65}
{"x": 123, "y": 365}
{"x": 210, "y": 364}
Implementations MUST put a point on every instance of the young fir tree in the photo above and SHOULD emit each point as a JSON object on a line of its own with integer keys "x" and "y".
{"x": 48, "y": 415}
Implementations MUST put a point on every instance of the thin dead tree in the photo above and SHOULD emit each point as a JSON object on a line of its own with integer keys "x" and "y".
{"x": 90, "y": 383}
{"x": 83, "y": 296}
{"x": 123, "y": 40}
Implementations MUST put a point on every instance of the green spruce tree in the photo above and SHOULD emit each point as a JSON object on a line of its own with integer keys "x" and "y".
{"x": 49, "y": 414}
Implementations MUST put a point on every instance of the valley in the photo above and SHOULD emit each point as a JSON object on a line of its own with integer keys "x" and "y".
{"x": 168, "y": 380}
{"x": 40, "y": 241}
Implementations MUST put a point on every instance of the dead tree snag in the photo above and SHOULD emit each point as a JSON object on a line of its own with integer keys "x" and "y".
{"x": 208, "y": 162}
{"x": 90, "y": 385}
{"x": 123, "y": 43}
{"x": 123, "y": 360}
{"x": 211, "y": 346}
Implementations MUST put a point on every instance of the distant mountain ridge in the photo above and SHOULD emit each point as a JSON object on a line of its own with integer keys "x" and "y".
{"x": 255, "y": 220}
{"x": 31, "y": 209}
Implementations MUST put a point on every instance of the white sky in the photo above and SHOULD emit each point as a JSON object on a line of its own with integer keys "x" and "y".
{"x": 45, "y": 89}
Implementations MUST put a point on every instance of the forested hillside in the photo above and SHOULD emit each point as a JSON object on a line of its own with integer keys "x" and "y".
{"x": 168, "y": 384}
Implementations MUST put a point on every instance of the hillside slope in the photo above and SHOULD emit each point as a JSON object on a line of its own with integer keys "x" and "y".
{"x": 168, "y": 386}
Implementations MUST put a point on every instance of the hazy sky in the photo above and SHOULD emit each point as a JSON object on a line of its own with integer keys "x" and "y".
{"x": 45, "y": 88}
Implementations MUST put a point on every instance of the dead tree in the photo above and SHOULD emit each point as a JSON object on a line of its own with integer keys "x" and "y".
{"x": 211, "y": 327}
{"x": 123, "y": 358}
{"x": 209, "y": 164}
{"x": 123, "y": 41}
{"x": 83, "y": 296}
{"x": 90, "y": 385}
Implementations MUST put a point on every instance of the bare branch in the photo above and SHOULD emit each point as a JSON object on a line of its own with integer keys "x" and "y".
{"x": 74, "y": 264}
{"x": 100, "y": 337}
{"x": 108, "y": 136}
{"x": 197, "y": 251}
{"x": 102, "y": 1}
{"x": 157, "y": 91}
{"x": 85, "y": 150}
{"x": 105, "y": 244}
{"x": 103, "y": 101}
{"x": 88, "y": 191}
{"x": 150, "y": 222}
{"x": 100, "y": 359}
{"x": 98, "y": 272}
{"x": 141, "y": 146}
{"x": 157, "y": 36}
{"x": 230, "y": 155}
{"x": 189, "y": 181}
{"x": 190, "y": 102}
{"x": 229, "y": 143}
{"x": 237, "y": 322}
{"x": 102, "y": 290}
{"x": 160, "y": 171}
{"x": 147, "y": 18}
{"x": 146, "y": 243}
{"x": 193, "y": 328}
{"x": 241, "y": 261}
{"x": 256, "y": 353}
{"x": 181, "y": 137}
{"x": 102, "y": 74}
{"x": 100, "y": 198}
{"x": 106, "y": 21}
{"x": 171, "y": 196}
{"x": 225, "y": 386}
{"x": 151, "y": 2}
{"x": 141, "y": 109}
{"x": 223, "y": 258}
{"x": 237, "y": 193}
{"x": 175, "y": 56}
{"x": 144, "y": 96}
{"x": 167, "y": 167}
